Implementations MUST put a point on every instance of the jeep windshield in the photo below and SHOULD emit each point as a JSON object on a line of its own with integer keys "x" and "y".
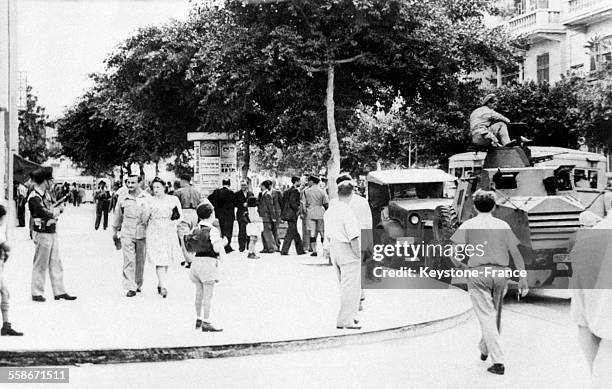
{"x": 427, "y": 190}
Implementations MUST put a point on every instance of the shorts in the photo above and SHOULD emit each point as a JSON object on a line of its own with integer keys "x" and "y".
{"x": 315, "y": 225}
{"x": 204, "y": 270}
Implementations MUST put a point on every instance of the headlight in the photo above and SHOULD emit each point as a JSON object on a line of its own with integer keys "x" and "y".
{"x": 414, "y": 219}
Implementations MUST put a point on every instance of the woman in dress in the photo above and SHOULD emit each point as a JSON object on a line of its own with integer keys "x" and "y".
{"x": 162, "y": 245}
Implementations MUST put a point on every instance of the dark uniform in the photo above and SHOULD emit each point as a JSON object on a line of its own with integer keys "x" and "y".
{"x": 102, "y": 199}
{"x": 223, "y": 201}
{"x": 240, "y": 199}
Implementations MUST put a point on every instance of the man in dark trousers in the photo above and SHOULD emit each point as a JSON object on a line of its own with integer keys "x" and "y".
{"x": 223, "y": 201}
{"x": 102, "y": 200}
{"x": 240, "y": 200}
{"x": 266, "y": 212}
{"x": 291, "y": 210}
{"x": 277, "y": 201}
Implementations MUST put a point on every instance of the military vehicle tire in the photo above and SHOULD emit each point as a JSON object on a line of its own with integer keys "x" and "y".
{"x": 444, "y": 226}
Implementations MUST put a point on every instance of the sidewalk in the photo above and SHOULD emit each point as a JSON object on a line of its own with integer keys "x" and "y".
{"x": 273, "y": 299}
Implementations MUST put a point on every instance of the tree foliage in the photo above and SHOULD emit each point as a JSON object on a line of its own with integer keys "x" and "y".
{"x": 32, "y": 129}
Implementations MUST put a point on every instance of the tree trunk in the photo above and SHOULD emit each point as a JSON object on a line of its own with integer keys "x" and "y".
{"x": 156, "y": 168}
{"x": 142, "y": 172}
{"x": 247, "y": 155}
{"x": 333, "y": 165}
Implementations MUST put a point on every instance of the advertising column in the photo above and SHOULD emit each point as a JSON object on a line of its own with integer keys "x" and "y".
{"x": 214, "y": 160}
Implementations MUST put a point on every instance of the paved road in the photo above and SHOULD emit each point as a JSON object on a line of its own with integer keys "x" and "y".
{"x": 538, "y": 337}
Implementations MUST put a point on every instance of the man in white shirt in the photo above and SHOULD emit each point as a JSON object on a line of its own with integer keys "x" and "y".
{"x": 342, "y": 230}
{"x": 487, "y": 290}
{"x": 591, "y": 285}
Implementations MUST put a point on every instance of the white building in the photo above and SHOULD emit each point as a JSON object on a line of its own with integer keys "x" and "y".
{"x": 8, "y": 93}
{"x": 564, "y": 37}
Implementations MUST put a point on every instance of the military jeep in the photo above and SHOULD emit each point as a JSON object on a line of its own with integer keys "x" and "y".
{"x": 403, "y": 203}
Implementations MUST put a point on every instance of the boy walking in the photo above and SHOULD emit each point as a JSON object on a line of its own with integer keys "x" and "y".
{"x": 209, "y": 248}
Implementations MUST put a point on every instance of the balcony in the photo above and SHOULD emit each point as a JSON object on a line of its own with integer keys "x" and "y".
{"x": 540, "y": 24}
{"x": 584, "y": 12}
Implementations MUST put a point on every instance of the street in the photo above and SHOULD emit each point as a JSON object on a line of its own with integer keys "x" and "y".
{"x": 537, "y": 335}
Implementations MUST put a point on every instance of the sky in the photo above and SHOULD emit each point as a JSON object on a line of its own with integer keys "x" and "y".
{"x": 60, "y": 42}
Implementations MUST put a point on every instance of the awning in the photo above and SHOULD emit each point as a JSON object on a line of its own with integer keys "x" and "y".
{"x": 22, "y": 168}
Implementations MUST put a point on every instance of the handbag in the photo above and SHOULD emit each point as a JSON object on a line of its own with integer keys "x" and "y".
{"x": 175, "y": 214}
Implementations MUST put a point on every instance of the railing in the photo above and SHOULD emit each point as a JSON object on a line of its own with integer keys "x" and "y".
{"x": 538, "y": 19}
{"x": 579, "y": 5}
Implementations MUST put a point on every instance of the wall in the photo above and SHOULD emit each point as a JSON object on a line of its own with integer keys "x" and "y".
{"x": 556, "y": 58}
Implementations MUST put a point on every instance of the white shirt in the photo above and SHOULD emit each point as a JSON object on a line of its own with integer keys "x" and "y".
{"x": 341, "y": 225}
{"x": 495, "y": 236}
{"x": 361, "y": 210}
{"x": 591, "y": 282}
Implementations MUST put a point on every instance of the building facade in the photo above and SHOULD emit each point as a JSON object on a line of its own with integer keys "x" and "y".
{"x": 564, "y": 37}
{"x": 8, "y": 100}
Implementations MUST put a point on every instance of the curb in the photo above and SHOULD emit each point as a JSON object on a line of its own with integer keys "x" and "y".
{"x": 152, "y": 354}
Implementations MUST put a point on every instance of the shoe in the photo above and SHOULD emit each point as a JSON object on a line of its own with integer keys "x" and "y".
{"x": 229, "y": 250}
{"x": 242, "y": 250}
{"x": 130, "y": 293}
{"x": 159, "y": 290}
{"x": 138, "y": 290}
{"x": 164, "y": 292}
{"x": 313, "y": 254}
{"x": 351, "y": 327}
{"x": 266, "y": 252}
{"x": 8, "y": 331}
{"x": 497, "y": 368}
{"x": 526, "y": 140}
{"x": 65, "y": 296}
{"x": 284, "y": 253}
{"x": 207, "y": 327}
{"x": 483, "y": 357}
{"x": 40, "y": 299}
{"x": 302, "y": 253}
{"x": 198, "y": 323}
{"x": 252, "y": 256}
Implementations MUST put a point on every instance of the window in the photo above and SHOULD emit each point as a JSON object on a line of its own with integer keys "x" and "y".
{"x": 543, "y": 68}
{"x": 601, "y": 51}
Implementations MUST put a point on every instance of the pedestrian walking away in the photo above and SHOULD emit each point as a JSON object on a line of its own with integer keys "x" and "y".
{"x": 130, "y": 229}
{"x": 254, "y": 228}
{"x": 190, "y": 198}
{"x": 343, "y": 234}
{"x": 162, "y": 214}
{"x": 102, "y": 199}
{"x": 44, "y": 217}
{"x": 209, "y": 248}
{"x": 488, "y": 289}
{"x": 290, "y": 213}
{"x": 240, "y": 199}
{"x": 222, "y": 200}
{"x": 591, "y": 303}
{"x": 315, "y": 201}
{"x": 5, "y": 249}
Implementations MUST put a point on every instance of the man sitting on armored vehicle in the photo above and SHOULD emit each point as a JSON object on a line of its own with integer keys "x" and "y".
{"x": 488, "y": 127}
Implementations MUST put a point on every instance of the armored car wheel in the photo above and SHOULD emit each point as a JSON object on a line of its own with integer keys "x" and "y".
{"x": 444, "y": 226}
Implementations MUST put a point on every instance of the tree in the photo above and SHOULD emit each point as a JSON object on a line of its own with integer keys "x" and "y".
{"x": 364, "y": 51}
{"x": 32, "y": 129}
{"x": 89, "y": 139}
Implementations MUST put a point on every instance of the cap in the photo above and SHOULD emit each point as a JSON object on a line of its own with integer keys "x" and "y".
{"x": 488, "y": 98}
